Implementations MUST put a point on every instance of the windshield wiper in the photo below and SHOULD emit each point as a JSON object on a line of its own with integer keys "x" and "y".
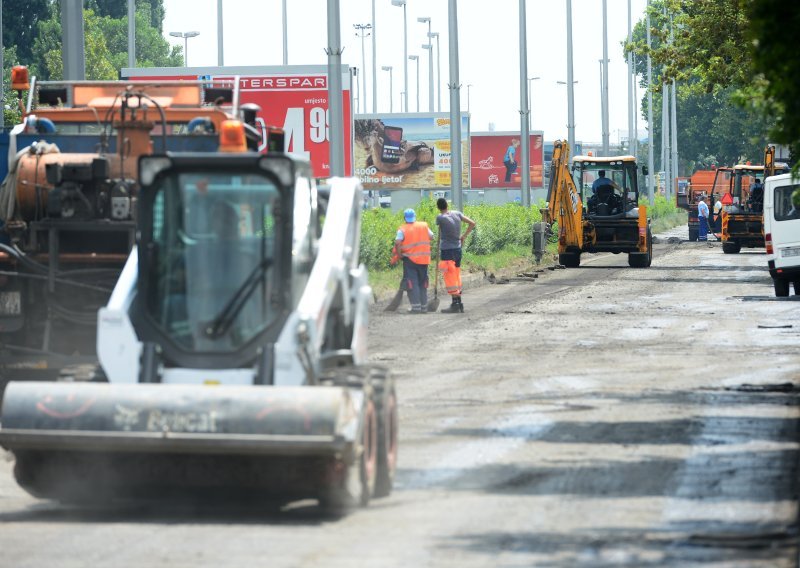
{"x": 222, "y": 323}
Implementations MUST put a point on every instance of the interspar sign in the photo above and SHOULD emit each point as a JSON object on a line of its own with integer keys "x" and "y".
{"x": 294, "y": 98}
{"x": 489, "y": 166}
{"x": 407, "y": 151}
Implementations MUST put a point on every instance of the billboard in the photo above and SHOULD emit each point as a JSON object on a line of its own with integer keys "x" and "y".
{"x": 294, "y": 98}
{"x": 407, "y": 151}
{"x": 490, "y": 170}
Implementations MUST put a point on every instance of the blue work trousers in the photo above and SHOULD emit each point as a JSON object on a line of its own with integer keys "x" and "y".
{"x": 415, "y": 277}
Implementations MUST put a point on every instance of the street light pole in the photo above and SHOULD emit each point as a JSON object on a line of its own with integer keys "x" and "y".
{"x": 335, "y": 106}
{"x": 469, "y": 86}
{"x": 438, "y": 72}
{"x": 185, "y": 36}
{"x": 391, "y": 87}
{"x": 429, "y": 47}
{"x": 405, "y": 49}
{"x": 415, "y": 58}
{"x": 374, "y": 65}
{"x": 530, "y": 100}
{"x": 455, "y": 108}
{"x": 220, "y": 42}
{"x": 285, "y": 20}
{"x": 650, "y": 136}
{"x": 361, "y": 31}
{"x": 570, "y": 82}
{"x": 631, "y": 134}
{"x": 605, "y": 79}
{"x": 523, "y": 103}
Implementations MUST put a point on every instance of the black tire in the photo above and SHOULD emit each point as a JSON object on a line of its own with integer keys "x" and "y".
{"x": 796, "y": 286}
{"x": 781, "y": 287}
{"x": 360, "y": 480}
{"x": 693, "y": 234}
{"x": 570, "y": 259}
{"x": 731, "y": 247}
{"x": 642, "y": 259}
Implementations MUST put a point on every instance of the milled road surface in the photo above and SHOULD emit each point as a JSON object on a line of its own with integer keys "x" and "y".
{"x": 600, "y": 416}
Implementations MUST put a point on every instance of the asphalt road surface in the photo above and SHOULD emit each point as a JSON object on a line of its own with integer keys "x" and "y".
{"x": 599, "y": 416}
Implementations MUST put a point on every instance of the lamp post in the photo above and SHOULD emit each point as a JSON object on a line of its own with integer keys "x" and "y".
{"x": 374, "y": 65}
{"x": 185, "y": 36}
{"x": 570, "y": 82}
{"x": 650, "y": 140}
{"x": 605, "y": 79}
{"x": 131, "y": 32}
{"x": 405, "y": 50}
{"x": 285, "y": 20}
{"x": 361, "y": 31}
{"x": 525, "y": 164}
{"x": 530, "y": 99}
{"x": 415, "y": 58}
{"x": 438, "y": 71}
{"x": 570, "y": 114}
{"x": 429, "y": 47}
{"x": 391, "y": 87}
{"x": 469, "y": 85}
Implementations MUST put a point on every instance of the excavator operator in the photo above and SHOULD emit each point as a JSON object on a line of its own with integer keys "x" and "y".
{"x": 605, "y": 202}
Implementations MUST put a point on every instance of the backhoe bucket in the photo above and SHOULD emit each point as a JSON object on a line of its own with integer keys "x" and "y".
{"x": 74, "y": 441}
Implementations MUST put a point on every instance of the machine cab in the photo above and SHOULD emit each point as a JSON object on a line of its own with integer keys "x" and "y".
{"x": 747, "y": 187}
{"x": 608, "y": 185}
{"x": 215, "y": 256}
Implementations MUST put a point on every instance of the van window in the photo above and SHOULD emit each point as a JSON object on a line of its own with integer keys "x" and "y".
{"x": 784, "y": 210}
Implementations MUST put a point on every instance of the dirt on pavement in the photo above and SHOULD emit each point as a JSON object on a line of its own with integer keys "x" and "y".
{"x": 599, "y": 416}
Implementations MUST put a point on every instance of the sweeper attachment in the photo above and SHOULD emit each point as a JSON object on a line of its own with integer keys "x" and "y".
{"x": 234, "y": 347}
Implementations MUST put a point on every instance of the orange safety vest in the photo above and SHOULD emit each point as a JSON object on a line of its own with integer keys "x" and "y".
{"x": 416, "y": 245}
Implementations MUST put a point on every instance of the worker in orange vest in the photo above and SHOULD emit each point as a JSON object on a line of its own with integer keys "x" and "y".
{"x": 450, "y": 251}
{"x": 413, "y": 241}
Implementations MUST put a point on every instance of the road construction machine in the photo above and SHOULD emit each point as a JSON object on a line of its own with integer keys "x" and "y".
{"x": 596, "y": 206}
{"x": 700, "y": 183}
{"x": 234, "y": 346}
{"x": 68, "y": 205}
{"x": 743, "y": 201}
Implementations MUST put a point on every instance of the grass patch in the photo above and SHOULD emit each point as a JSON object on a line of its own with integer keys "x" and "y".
{"x": 669, "y": 221}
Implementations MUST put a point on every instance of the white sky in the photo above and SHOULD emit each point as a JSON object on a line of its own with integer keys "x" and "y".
{"x": 488, "y": 52}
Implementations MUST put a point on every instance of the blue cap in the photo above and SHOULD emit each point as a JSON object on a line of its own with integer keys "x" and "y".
{"x": 410, "y": 215}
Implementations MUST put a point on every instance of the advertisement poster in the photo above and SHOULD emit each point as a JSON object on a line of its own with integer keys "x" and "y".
{"x": 407, "y": 151}
{"x": 489, "y": 168}
{"x": 296, "y": 101}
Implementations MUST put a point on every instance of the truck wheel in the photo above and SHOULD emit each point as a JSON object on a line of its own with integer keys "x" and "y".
{"x": 359, "y": 480}
{"x": 731, "y": 247}
{"x": 642, "y": 259}
{"x": 781, "y": 287}
{"x": 570, "y": 259}
{"x": 693, "y": 234}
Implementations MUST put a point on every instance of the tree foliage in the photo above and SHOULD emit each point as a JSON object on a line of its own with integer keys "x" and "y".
{"x": 20, "y": 24}
{"x": 719, "y": 121}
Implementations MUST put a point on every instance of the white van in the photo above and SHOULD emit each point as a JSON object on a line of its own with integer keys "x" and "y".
{"x": 782, "y": 233}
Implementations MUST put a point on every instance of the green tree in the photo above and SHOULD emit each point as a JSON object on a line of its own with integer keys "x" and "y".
{"x": 20, "y": 21}
{"x": 118, "y": 9}
{"x": 776, "y": 61}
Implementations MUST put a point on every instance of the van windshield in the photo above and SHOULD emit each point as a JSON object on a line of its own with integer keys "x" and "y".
{"x": 784, "y": 209}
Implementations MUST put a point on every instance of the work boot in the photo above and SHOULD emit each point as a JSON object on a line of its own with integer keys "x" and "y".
{"x": 456, "y": 306}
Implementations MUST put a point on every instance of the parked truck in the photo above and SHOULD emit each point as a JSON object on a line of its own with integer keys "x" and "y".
{"x": 68, "y": 206}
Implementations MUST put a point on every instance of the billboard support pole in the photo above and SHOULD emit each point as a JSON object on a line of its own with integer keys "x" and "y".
{"x": 455, "y": 109}
{"x": 334, "y": 52}
{"x": 525, "y": 160}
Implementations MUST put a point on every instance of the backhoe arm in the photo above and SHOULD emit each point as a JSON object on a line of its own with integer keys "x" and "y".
{"x": 769, "y": 161}
{"x": 564, "y": 200}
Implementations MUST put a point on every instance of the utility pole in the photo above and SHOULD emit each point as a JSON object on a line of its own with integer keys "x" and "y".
{"x": 72, "y": 40}
{"x": 570, "y": 83}
{"x": 674, "y": 121}
{"x": 374, "y": 66}
{"x": 220, "y": 40}
{"x": 285, "y": 32}
{"x": 650, "y": 129}
{"x": 404, "y": 98}
{"x": 334, "y": 52}
{"x": 362, "y": 32}
{"x": 523, "y": 105}
{"x": 131, "y": 34}
{"x": 455, "y": 108}
{"x": 605, "y": 79}
{"x": 438, "y": 72}
{"x": 631, "y": 133}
